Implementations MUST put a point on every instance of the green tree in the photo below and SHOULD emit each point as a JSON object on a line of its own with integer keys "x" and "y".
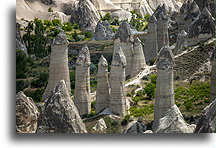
{"x": 150, "y": 89}
{"x": 21, "y": 64}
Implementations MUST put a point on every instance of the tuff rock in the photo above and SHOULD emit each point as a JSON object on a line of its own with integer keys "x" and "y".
{"x": 26, "y": 114}
{"x": 181, "y": 42}
{"x": 103, "y": 31}
{"x": 173, "y": 122}
{"x": 135, "y": 127}
{"x": 117, "y": 80}
{"x": 20, "y": 45}
{"x": 206, "y": 123}
{"x": 103, "y": 87}
{"x": 60, "y": 115}
{"x": 100, "y": 125}
{"x": 82, "y": 85}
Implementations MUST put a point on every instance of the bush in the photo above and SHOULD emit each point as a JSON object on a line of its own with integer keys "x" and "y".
{"x": 150, "y": 89}
{"x": 107, "y": 17}
{"x": 136, "y": 100}
{"x": 50, "y": 9}
{"x": 129, "y": 94}
{"x": 21, "y": 64}
{"x": 146, "y": 78}
{"x": 125, "y": 121}
{"x": 20, "y": 85}
{"x": 56, "y": 22}
{"x": 76, "y": 26}
{"x": 152, "y": 61}
{"x": 88, "y": 35}
{"x": 153, "y": 79}
{"x": 188, "y": 104}
{"x": 75, "y": 36}
{"x": 67, "y": 26}
{"x": 36, "y": 95}
{"x": 41, "y": 81}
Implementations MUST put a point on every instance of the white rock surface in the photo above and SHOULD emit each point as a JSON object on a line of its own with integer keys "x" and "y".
{"x": 173, "y": 122}
{"x": 100, "y": 125}
{"x": 26, "y": 114}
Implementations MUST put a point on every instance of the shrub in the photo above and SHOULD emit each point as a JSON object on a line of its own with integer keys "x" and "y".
{"x": 129, "y": 94}
{"x": 20, "y": 85}
{"x": 188, "y": 104}
{"x": 153, "y": 79}
{"x": 21, "y": 64}
{"x": 140, "y": 93}
{"x": 150, "y": 89}
{"x": 152, "y": 61}
{"x": 88, "y": 35}
{"x": 76, "y": 26}
{"x": 136, "y": 100}
{"x": 50, "y": 9}
{"x": 125, "y": 121}
{"x": 146, "y": 78}
{"x": 41, "y": 81}
{"x": 75, "y": 36}
{"x": 67, "y": 26}
{"x": 56, "y": 22}
{"x": 147, "y": 17}
{"x": 107, "y": 17}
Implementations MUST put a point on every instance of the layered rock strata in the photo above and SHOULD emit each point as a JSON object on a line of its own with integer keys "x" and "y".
{"x": 139, "y": 62}
{"x": 82, "y": 84}
{"x": 151, "y": 46}
{"x": 60, "y": 115}
{"x": 26, "y": 114}
{"x": 117, "y": 80}
{"x": 103, "y": 87}
{"x": 58, "y": 68}
{"x": 164, "y": 86}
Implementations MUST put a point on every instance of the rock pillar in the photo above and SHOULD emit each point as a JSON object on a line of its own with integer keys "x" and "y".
{"x": 124, "y": 39}
{"x": 139, "y": 62}
{"x": 162, "y": 31}
{"x": 82, "y": 84}
{"x": 164, "y": 87}
{"x": 151, "y": 46}
{"x": 117, "y": 80}
{"x": 103, "y": 88}
{"x": 181, "y": 42}
{"x": 58, "y": 68}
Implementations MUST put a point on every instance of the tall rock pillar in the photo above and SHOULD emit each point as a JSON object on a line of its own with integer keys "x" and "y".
{"x": 58, "y": 68}
{"x": 103, "y": 88}
{"x": 151, "y": 46}
{"x": 164, "y": 87}
{"x": 181, "y": 42}
{"x": 139, "y": 62}
{"x": 213, "y": 83}
{"x": 124, "y": 39}
{"x": 82, "y": 85}
{"x": 117, "y": 80}
{"x": 162, "y": 31}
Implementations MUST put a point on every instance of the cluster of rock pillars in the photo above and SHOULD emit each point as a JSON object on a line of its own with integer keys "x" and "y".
{"x": 62, "y": 114}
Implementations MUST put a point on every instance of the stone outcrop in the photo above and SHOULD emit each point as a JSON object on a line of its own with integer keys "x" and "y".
{"x": 58, "y": 15}
{"x": 85, "y": 15}
{"x": 202, "y": 28}
{"x": 103, "y": 87}
{"x": 117, "y": 80}
{"x": 213, "y": 75}
{"x": 82, "y": 84}
{"x": 124, "y": 39}
{"x": 60, "y": 115}
{"x": 181, "y": 42}
{"x": 144, "y": 8}
{"x": 103, "y": 31}
{"x": 188, "y": 13}
{"x": 48, "y": 2}
{"x": 206, "y": 123}
{"x": 151, "y": 46}
{"x": 20, "y": 45}
{"x": 138, "y": 63}
{"x": 58, "y": 68}
{"x": 210, "y": 4}
{"x": 164, "y": 87}
{"x": 136, "y": 127}
{"x": 173, "y": 122}
{"x": 26, "y": 114}
{"x": 162, "y": 27}
{"x": 100, "y": 125}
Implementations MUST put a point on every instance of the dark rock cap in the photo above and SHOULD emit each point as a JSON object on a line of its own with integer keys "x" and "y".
{"x": 119, "y": 58}
{"x": 124, "y": 32}
{"x": 165, "y": 58}
{"x": 84, "y": 57}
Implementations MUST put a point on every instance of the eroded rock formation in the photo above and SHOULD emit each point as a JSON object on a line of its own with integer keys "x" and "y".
{"x": 103, "y": 31}
{"x": 124, "y": 39}
{"x": 85, "y": 15}
{"x": 213, "y": 75}
{"x": 136, "y": 127}
{"x": 164, "y": 87}
{"x": 20, "y": 45}
{"x": 202, "y": 28}
{"x": 181, "y": 42}
{"x": 58, "y": 68}
{"x": 100, "y": 125}
{"x": 60, "y": 115}
{"x": 206, "y": 123}
{"x": 151, "y": 46}
{"x": 139, "y": 62}
{"x": 58, "y": 15}
{"x": 103, "y": 87}
{"x": 26, "y": 114}
{"x": 173, "y": 122}
{"x": 117, "y": 79}
{"x": 82, "y": 85}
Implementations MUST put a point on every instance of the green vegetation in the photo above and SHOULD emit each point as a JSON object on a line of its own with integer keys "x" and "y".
{"x": 50, "y": 9}
{"x": 141, "y": 111}
{"x": 138, "y": 22}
